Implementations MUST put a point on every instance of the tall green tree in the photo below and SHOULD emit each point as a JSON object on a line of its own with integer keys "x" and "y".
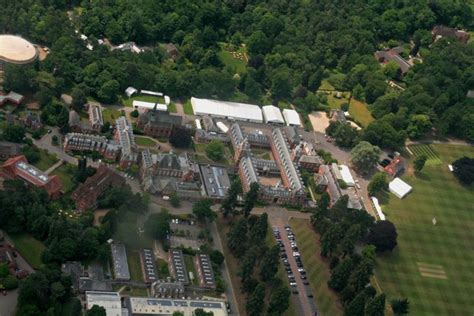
{"x": 400, "y": 306}
{"x": 250, "y": 198}
{"x": 255, "y": 302}
{"x": 364, "y": 156}
{"x": 202, "y": 210}
{"x": 378, "y": 183}
{"x": 419, "y": 162}
{"x": 376, "y": 306}
{"x": 237, "y": 237}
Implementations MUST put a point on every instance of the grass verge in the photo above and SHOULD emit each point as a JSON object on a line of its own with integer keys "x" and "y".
{"x": 188, "y": 108}
{"x": 134, "y": 265}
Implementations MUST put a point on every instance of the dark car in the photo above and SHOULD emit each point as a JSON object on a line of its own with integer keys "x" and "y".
{"x": 305, "y": 282}
{"x": 303, "y": 277}
{"x": 310, "y": 295}
{"x": 295, "y": 292}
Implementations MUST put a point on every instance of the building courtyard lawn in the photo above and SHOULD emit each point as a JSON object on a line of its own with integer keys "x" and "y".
{"x": 317, "y": 269}
{"x": 29, "y": 248}
{"x": 110, "y": 115}
{"x": 433, "y": 265}
{"x": 134, "y": 265}
{"x": 145, "y": 141}
{"x": 46, "y": 160}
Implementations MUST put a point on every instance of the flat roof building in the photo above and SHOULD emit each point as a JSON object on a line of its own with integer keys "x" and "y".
{"x": 292, "y": 117}
{"x": 272, "y": 114}
{"x": 177, "y": 265}
{"x": 216, "y": 181}
{"x": 204, "y": 270}
{"x": 148, "y": 265}
{"x": 141, "y": 306}
{"x": 229, "y": 110}
{"x": 120, "y": 263}
{"x": 110, "y": 301}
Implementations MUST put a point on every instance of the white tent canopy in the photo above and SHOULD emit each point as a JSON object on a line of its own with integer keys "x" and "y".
{"x": 377, "y": 207}
{"x": 399, "y": 187}
{"x": 230, "y": 110}
{"x": 292, "y": 117}
{"x": 272, "y": 114}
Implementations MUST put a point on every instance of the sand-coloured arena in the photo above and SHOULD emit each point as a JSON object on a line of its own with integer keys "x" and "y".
{"x": 16, "y": 50}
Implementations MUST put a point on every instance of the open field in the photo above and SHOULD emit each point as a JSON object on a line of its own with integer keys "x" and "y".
{"x": 360, "y": 112}
{"x": 146, "y": 98}
{"x": 30, "y": 248}
{"x": 144, "y": 141}
{"x": 335, "y": 103}
{"x": 317, "y": 269}
{"x": 433, "y": 264}
{"x": 65, "y": 173}
{"x": 46, "y": 160}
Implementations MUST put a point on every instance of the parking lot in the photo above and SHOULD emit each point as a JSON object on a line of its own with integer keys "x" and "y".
{"x": 294, "y": 268}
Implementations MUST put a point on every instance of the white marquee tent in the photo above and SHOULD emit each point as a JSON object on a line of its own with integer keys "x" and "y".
{"x": 399, "y": 187}
{"x": 230, "y": 110}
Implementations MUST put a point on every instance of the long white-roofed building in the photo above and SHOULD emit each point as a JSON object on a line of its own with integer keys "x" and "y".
{"x": 229, "y": 110}
{"x": 272, "y": 114}
{"x": 292, "y": 118}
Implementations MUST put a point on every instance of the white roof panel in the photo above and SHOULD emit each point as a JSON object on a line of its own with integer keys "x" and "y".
{"x": 231, "y": 110}
{"x": 399, "y": 187}
{"x": 272, "y": 114}
{"x": 291, "y": 117}
{"x": 346, "y": 175}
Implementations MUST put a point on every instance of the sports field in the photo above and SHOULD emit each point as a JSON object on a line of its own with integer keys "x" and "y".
{"x": 433, "y": 265}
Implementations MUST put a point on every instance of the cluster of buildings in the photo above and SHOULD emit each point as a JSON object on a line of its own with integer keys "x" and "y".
{"x": 121, "y": 148}
{"x": 337, "y": 181}
{"x": 93, "y": 125}
{"x": 279, "y": 178}
{"x": 114, "y": 304}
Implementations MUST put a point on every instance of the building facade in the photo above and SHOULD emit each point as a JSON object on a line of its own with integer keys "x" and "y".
{"x": 88, "y": 142}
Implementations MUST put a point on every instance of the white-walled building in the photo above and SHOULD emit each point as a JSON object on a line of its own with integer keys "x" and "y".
{"x": 142, "y": 105}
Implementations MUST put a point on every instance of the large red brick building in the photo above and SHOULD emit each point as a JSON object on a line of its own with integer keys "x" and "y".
{"x": 18, "y": 168}
{"x": 86, "y": 195}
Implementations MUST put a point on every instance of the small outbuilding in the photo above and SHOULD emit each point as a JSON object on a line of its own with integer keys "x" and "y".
{"x": 399, "y": 187}
{"x": 130, "y": 91}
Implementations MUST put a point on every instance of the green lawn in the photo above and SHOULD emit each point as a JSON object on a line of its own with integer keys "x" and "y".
{"x": 203, "y": 158}
{"x": 188, "y": 261}
{"x": 317, "y": 269}
{"x": 428, "y": 150}
{"x": 145, "y": 141}
{"x": 172, "y": 108}
{"x": 66, "y": 174}
{"x": 30, "y": 248}
{"x": 335, "y": 103}
{"x": 46, "y": 160}
{"x": 188, "y": 108}
{"x": 325, "y": 85}
{"x": 360, "y": 112}
{"x": 134, "y": 265}
{"x": 110, "y": 115}
{"x": 433, "y": 265}
{"x": 237, "y": 63}
{"x": 146, "y": 98}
